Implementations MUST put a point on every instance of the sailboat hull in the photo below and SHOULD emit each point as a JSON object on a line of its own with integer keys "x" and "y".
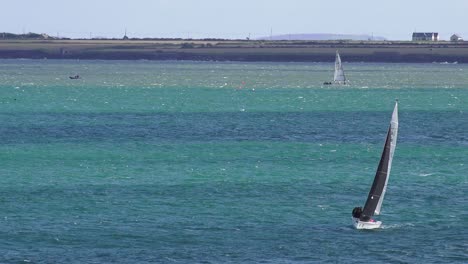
{"x": 336, "y": 83}
{"x": 358, "y": 224}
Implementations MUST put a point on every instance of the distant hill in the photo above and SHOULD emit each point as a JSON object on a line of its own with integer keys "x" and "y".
{"x": 322, "y": 36}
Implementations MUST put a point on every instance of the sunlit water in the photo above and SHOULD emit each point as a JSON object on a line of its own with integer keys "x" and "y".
{"x": 183, "y": 162}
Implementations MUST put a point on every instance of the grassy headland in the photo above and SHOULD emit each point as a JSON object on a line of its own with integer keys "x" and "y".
{"x": 235, "y": 50}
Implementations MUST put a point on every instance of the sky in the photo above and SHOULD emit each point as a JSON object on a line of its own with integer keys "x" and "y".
{"x": 392, "y": 19}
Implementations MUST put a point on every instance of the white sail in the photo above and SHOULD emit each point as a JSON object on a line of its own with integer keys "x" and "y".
{"x": 339, "y": 76}
{"x": 393, "y": 140}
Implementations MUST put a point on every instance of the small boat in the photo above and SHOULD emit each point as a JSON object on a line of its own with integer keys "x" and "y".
{"x": 74, "y": 77}
{"x": 362, "y": 218}
{"x": 339, "y": 76}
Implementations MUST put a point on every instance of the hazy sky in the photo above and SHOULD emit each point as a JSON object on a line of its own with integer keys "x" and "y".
{"x": 393, "y": 19}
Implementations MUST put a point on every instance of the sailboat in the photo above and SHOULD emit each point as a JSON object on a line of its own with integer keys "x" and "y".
{"x": 339, "y": 76}
{"x": 362, "y": 218}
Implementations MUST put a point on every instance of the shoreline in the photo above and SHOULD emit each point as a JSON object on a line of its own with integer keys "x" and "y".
{"x": 240, "y": 50}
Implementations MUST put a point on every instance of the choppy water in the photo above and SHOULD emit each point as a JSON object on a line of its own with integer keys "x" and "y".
{"x": 187, "y": 162}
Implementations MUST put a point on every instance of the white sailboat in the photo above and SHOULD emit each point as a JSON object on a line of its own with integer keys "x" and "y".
{"x": 362, "y": 218}
{"x": 339, "y": 76}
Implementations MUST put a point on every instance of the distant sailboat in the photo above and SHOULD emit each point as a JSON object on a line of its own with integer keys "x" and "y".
{"x": 339, "y": 76}
{"x": 362, "y": 218}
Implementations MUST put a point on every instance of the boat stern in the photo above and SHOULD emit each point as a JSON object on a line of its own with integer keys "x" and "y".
{"x": 358, "y": 224}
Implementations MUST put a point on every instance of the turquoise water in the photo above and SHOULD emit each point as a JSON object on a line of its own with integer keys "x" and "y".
{"x": 188, "y": 162}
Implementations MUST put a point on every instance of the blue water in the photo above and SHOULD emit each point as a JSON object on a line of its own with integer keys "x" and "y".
{"x": 190, "y": 162}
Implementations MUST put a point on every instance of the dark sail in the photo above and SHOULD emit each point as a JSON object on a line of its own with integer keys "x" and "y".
{"x": 379, "y": 181}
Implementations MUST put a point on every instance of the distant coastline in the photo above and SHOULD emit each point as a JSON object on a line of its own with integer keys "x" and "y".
{"x": 235, "y": 50}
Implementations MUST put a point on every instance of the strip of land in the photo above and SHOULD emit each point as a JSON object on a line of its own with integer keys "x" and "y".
{"x": 240, "y": 50}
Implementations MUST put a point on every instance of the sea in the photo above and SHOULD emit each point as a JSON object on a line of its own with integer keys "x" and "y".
{"x": 229, "y": 162}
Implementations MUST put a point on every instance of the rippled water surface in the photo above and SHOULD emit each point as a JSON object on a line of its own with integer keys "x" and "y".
{"x": 143, "y": 162}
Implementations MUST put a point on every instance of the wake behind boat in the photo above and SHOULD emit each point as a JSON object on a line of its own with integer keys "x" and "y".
{"x": 339, "y": 75}
{"x": 362, "y": 218}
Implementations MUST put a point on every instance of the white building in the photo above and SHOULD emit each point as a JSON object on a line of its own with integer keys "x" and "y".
{"x": 425, "y": 36}
{"x": 456, "y": 37}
